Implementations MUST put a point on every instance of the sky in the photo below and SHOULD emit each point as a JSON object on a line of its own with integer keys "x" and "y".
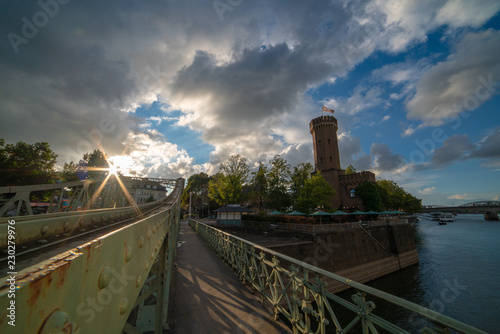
{"x": 173, "y": 88}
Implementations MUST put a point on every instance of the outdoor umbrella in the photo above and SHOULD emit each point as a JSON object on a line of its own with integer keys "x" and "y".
{"x": 338, "y": 214}
{"x": 320, "y": 213}
{"x": 371, "y": 212}
{"x": 275, "y": 213}
{"x": 296, "y": 213}
{"x": 358, "y": 213}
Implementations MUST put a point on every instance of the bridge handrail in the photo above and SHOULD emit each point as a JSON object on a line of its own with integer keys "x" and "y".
{"x": 94, "y": 287}
{"x": 273, "y": 281}
{"x": 35, "y": 227}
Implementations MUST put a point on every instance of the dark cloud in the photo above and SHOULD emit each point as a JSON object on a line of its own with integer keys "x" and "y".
{"x": 454, "y": 148}
{"x": 385, "y": 160}
{"x": 489, "y": 147}
{"x": 91, "y": 64}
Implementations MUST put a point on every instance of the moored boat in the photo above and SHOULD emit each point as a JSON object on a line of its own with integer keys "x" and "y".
{"x": 446, "y": 218}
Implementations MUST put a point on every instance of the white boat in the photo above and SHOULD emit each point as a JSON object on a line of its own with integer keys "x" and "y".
{"x": 446, "y": 218}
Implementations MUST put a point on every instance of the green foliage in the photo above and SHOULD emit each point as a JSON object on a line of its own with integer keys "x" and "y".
{"x": 227, "y": 186}
{"x": 301, "y": 173}
{"x": 198, "y": 185}
{"x": 369, "y": 193}
{"x": 316, "y": 192}
{"x": 259, "y": 186}
{"x": 150, "y": 199}
{"x": 97, "y": 162}
{"x": 25, "y": 164}
{"x": 350, "y": 170}
{"x": 395, "y": 197}
{"x": 279, "y": 181}
{"x": 69, "y": 172}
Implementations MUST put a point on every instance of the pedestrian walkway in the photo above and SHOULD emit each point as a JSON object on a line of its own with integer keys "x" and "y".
{"x": 208, "y": 298}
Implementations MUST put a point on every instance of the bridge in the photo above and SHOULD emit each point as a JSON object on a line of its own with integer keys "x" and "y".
{"x": 490, "y": 208}
{"x": 97, "y": 262}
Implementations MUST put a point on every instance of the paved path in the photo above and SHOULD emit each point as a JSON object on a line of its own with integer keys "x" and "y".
{"x": 208, "y": 298}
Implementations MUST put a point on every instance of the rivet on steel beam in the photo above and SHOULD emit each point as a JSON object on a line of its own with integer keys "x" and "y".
{"x": 138, "y": 281}
{"x": 149, "y": 235}
{"x": 141, "y": 241}
{"x": 104, "y": 277}
{"x": 66, "y": 225}
{"x": 146, "y": 266}
{"x": 44, "y": 229}
{"x": 152, "y": 255}
{"x": 58, "y": 322}
{"x": 123, "y": 305}
{"x": 128, "y": 254}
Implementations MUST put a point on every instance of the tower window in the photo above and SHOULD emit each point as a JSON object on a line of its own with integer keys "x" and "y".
{"x": 330, "y": 159}
{"x": 328, "y": 141}
{"x": 320, "y": 160}
{"x": 319, "y": 142}
{"x": 352, "y": 193}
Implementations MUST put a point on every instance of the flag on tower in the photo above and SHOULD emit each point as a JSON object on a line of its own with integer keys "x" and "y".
{"x": 328, "y": 110}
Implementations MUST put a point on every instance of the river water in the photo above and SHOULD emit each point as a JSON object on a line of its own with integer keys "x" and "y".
{"x": 458, "y": 274}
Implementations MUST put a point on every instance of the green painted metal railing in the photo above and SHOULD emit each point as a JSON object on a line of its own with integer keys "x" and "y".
{"x": 304, "y": 302}
{"x": 95, "y": 286}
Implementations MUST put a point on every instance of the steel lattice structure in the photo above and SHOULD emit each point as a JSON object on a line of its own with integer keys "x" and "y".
{"x": 94, "y": 287}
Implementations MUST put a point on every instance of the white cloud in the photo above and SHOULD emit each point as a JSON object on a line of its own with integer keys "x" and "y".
{"x": 239, "y": 97}
{"x": 427, "y": 191}
{"x": 458, "y": 196}
{"x": 461, "y": 83}
{"x": 361, "y": 99}
{"x": 459, "y": 13}
{"x": 148, "y": 155}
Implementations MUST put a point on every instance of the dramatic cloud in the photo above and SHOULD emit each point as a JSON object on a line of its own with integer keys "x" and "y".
{"x": 489, "y": 147}
{"x": 454, "y": 148}
{"x": 240, "y": 79}
{"x": 385, "y": 160}
{"x": 351, "y": 152}
{"x": 463, "y": 82}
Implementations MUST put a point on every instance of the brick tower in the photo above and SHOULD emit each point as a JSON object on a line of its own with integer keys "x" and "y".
{"x": 326, "y": 147}
{"x": 327, "y": 161}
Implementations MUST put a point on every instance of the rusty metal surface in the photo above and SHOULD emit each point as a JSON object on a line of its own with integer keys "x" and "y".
{"x": 93, "y": 287}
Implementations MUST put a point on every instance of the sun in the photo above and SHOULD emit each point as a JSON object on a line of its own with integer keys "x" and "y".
{"x": 113, "y": 169}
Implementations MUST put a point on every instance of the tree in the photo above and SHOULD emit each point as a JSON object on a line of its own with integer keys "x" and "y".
{"x": 395, "y": 197}
{"x": 26, "y": 164}
{"x": 301, "y": 173}
{"x": 279, "y": 183}
{"x": 69, "y": 172}
{"x": 317, "y": 192}
{"x": 259, "y": 186}
{"x": 197, "y": 186}
{"x": 369, "y": 193}
{"x": 227, "y": 186}
{"x": 150, "y": 199}
{"x": 97, "y": 163}
{"x": 350, "y": 170}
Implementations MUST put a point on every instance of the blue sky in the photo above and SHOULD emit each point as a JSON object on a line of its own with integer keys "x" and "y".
{"x": 173, "y": 88}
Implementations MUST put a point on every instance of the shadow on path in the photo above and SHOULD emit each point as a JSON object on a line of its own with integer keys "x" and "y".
{"x": 208, "y": 298}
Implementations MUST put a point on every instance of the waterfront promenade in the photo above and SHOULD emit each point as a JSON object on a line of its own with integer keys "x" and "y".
{"x": 207, "y": 297}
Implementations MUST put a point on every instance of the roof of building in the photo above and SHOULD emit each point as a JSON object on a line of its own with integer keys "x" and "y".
{"x": 232, "y": 208}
